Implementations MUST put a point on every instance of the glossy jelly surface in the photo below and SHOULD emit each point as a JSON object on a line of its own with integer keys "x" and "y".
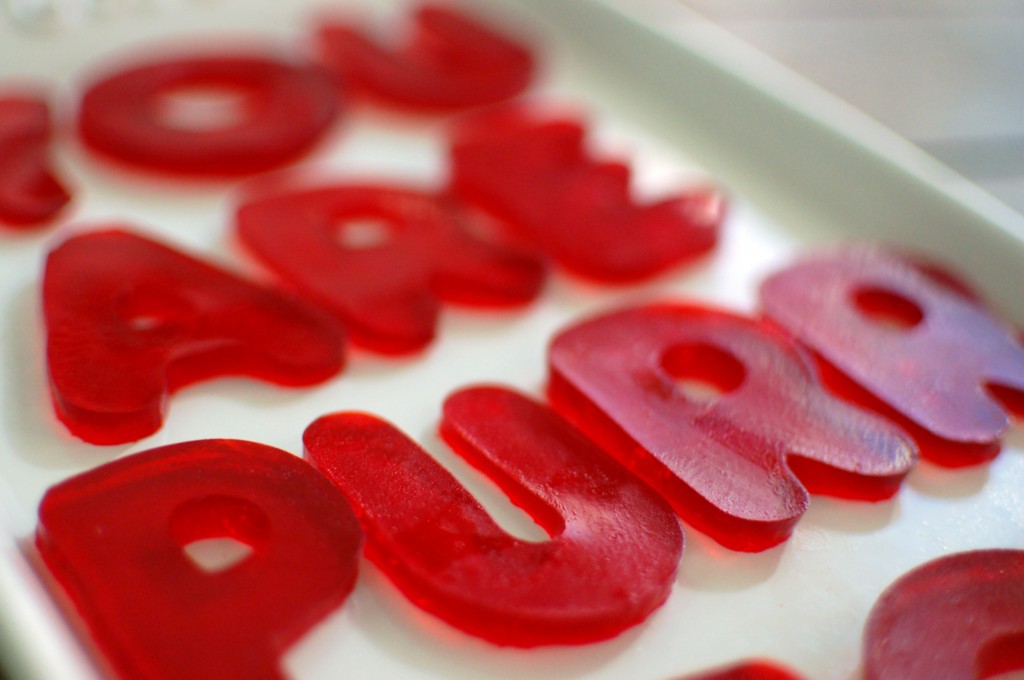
{"x": 614, "y": 545}
{"x": 959, "y": 616}
{"x": 116, "y": 540}
{"x": 30, "y": 191}
{"x": 930, "y": 355}
{"x": 129, "y": 320}
{"x": 531, "y": 169}
{"x": 382, "y": 258}
{"x": 444, "y": 59}
{"x": 739, "y": 465}
{"x": 272, "y": 112}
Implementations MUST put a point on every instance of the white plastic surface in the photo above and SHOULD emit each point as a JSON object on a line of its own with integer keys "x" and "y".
{"x": 803, "y": 603}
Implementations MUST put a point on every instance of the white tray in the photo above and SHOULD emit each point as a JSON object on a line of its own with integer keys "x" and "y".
{"x": 685, "y": 101}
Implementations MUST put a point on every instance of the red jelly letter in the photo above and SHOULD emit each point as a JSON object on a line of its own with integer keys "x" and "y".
{"x": 960, "y": 616}
{"x": 730, "y": 464}
{"x": 117, "y": 540}
{"x": 748, "y": 670}
{"x": 449, "y": 61}
{"x": 29, "y": 192}
{"x": 614, "y": 548}
{"x": 379, "y": 259}
{"x": 129, "y": 321}
{"x": 279, "y": 111}
{"x": 927, "y": 353}
{"x": 535, "y": 174}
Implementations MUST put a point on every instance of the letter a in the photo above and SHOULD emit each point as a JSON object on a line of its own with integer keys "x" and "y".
{"x": 730, "y": 466}
{"x": 129, "y": 320}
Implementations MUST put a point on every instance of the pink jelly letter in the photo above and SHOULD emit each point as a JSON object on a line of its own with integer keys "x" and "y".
{"x": 960, "y": 616}
{"x": 129, "y": 321}
{"x": 924, "y": 351}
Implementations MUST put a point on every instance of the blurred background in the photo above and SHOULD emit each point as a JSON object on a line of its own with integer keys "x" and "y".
{"x": 946, "y": 74}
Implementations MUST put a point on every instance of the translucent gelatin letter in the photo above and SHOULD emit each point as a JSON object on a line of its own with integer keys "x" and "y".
{"x": 215, "y": 114}
{"x": 531, "y": 170}
{"x": 722, "y": 415}
{"x": 129, "y": 320}
{"x": 893, "y": 338}
{"x": 30, "y": 193}
{"x": 448, "y": 61}
{"x": 142, "y": 548}
{"x": 747, "y": 670}
{"x": 614, "y": 545}
{"x": 960, "y": 616}
{"x": 380, "y": 258}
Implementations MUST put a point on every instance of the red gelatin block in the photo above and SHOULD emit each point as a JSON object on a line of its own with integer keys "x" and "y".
{"x": 449, "y": 61}
{"x": 30, "y": 193}
{"x": 118, "y": 539}
{"x": 960, "y": 616}
{"x": 729, "y": 464}
{"x": 532, "y": 171}
{"x": 380, "y": 259}
{"x": 269, "y": 112}
{"x": 614, "y": 549}
{"x": 129, "y": 321}
{"x": 748, "y": 670}
{"x": 891, "y": 337}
